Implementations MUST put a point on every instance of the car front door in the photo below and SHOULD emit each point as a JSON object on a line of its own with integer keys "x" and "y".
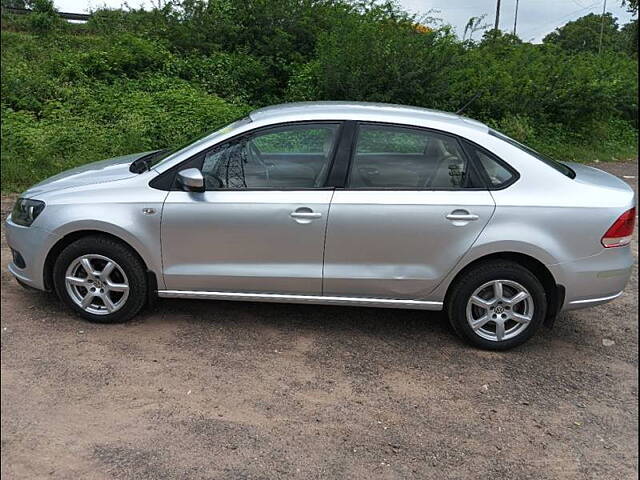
{"x": 411, "y": 207}
{"x": 260, "y": 225}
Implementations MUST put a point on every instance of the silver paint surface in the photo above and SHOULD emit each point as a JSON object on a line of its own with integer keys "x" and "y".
{"x": 387, "y": 248}
{"x": 243, "y": 241}
{"x": 398, "y": 244}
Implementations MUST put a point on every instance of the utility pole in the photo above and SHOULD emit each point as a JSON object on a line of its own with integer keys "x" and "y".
{"x": 604, "y": 9}
{"x": 497, "y": 16}
{"x": 515, "y": 20}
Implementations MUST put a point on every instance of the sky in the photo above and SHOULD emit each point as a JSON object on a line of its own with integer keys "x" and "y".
{"x": 536, "y": 18}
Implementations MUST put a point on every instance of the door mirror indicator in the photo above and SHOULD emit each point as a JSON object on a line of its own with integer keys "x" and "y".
{"x": 191, "y": 180}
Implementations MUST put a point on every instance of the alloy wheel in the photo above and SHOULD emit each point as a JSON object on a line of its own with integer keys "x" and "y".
{"x": 97, "y": 284}
{"x": 499, "y": 310}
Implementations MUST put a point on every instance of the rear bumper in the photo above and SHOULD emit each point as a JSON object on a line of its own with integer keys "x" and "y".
{"x": 594, "y": 280}
{"x": 33, "y": 244}
{"x": 591, "y": 302}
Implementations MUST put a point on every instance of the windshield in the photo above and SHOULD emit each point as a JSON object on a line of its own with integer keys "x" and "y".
{"x": 162, "y": 155}
{"x": 560, "y": 167}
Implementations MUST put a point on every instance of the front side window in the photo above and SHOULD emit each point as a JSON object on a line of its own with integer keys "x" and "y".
{"x": 291, "y": 156}
{"x": 407, "y": 158}
{"x": 165, "y": 154}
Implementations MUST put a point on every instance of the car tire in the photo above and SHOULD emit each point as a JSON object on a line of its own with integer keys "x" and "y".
{"x": 101, "y": 279}
{"x": 476, "y": 311}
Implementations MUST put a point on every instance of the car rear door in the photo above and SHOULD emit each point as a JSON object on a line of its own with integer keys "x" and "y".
{"x": 260, "y": 225}
{"x": 411, "y": 207}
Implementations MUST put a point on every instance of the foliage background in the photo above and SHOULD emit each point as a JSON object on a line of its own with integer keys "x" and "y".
{"x": 133, "y": 80}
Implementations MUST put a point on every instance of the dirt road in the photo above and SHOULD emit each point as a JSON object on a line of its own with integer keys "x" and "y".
{"x": 197, "y": 389}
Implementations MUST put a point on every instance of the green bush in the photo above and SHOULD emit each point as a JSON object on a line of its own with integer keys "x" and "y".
{"x": 385, "y": 62}
{"x": 613, "y": 140}
{"x": 518, "y": 127}
{"x": 125, "y": 56}
{"x": 153, "y": 24}
{"x": 106, "y": 120}
{"x": 44, "y": 20}
{"x": 545, "y": 84}
{"x": 304, "y": 83}
{"x": 35, "y": 71}
{"x": 134, "y": 80}
{"x": 229, "y": 75}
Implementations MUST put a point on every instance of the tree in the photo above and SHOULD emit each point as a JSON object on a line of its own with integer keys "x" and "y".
{"x": 629, "y": 38}
{"x": 42, "y": 6}
{"x": 632, "y": 6}
{"x": 44, "y": 18}
{"x": 474, "y": 25}
{"x": 13, "y": 4}
{"x": 499, "y": 38}
{"x": 583, "y": 34}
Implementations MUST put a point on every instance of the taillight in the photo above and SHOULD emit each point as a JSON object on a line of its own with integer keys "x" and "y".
{"x": 621, "y": 231}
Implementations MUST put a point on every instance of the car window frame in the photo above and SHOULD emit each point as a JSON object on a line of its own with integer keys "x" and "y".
{"x": 341, "y": 161}
{"x": 167, "y": 180}
{"x": 470, "y": 148}
{"x": 541, "y": 157}
{"x": 475, "y": 173}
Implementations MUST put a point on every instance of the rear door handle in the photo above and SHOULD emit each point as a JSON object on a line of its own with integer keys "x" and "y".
{"x": 305, "y": 215}
{"x": 464, "y": 217}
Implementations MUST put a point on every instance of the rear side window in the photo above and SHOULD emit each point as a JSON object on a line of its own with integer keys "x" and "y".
{"x": 497, "y": 174}
{"x": 560, "y": 167}
{"x": 389, "y": 156}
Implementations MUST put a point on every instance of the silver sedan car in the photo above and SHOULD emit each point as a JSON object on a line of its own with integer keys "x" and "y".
{"x": 334, "y": 203}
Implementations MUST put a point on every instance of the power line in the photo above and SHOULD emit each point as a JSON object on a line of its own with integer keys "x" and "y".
{"x": 538, "y": 30}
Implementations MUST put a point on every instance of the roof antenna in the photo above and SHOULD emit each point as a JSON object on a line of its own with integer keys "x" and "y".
{"x": 468, "y": 103}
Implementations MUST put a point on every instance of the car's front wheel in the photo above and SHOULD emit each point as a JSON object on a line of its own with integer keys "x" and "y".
{"x": 101, "y": 279}
{"x": 497, "y": 305}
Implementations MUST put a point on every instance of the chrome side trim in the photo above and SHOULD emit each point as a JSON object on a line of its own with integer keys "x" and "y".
{"x": 311, "y": 299}
{"x": 596, "y": 300}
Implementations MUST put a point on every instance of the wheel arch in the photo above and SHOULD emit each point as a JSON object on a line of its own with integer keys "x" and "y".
{"x": 554, "y": 292}
{"x": 71, "y": 237}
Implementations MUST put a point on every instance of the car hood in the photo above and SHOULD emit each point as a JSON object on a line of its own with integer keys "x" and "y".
{"x": 96, "y": 172}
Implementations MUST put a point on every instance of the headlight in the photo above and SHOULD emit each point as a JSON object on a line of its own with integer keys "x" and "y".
{"x": 26, "y": 211}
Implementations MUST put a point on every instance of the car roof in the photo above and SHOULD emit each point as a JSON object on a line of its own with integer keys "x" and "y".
{"x": 365, "y": 111}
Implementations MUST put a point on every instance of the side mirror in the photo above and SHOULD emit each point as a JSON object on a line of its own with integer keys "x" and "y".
{"x": 191, "y": 180}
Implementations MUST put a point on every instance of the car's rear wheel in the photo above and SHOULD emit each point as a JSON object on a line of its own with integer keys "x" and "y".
{"x": 497, "y": 305}
{"x": 101, "y": 279}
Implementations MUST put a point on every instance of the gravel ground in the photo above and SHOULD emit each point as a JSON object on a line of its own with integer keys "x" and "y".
{"x": 196, "y": 389}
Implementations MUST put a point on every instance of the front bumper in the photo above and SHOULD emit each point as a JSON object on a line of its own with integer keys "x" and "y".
{"x": 594, "y": 280}
{"x": 33, "y": 244}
